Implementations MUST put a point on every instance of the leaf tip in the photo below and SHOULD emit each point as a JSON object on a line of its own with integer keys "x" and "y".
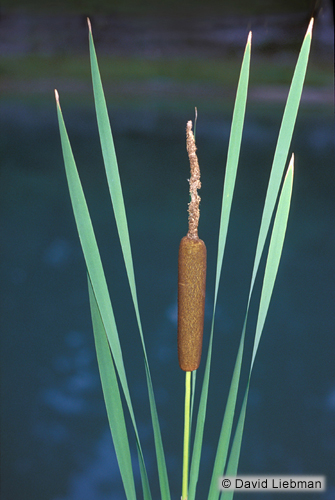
{"x": 249, "y": 37}
{"x": 57, "y": 97}
{"x": 310, "y": 27}
{"x": 89, "y": 25}
{"x": 291, "y": 165}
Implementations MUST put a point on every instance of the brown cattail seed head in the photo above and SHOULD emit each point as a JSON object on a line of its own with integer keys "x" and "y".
{"x": 191, "y": 301}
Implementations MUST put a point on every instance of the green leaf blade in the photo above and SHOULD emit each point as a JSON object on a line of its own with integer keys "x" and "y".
{"x": 228, "y": 191}
{"x": 227, "y": 423}
{"x": 236, "y": 447}
{"x": 270, "y": 274}
{"x": 274, "y": 254}
{"x": 90, "y": 247}
{"x": 115, "y": 188}
{"x": 112, "y": 171}
{"x": 281, "y": 152}
{"x": 97, "y": 277}
{"x": 278, "y": 165}
{"x": 112, "y": 398}
{"x": 283, "y": 145}
{"x": 233, "y": 155}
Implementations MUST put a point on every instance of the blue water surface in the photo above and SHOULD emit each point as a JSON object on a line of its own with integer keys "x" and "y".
{"x": 56, "y": 443}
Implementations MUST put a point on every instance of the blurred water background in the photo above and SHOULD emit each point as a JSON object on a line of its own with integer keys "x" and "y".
{"x": 157, "y": 64}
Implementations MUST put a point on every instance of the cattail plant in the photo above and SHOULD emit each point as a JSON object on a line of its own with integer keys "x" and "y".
{"x": 191, "y": 294}
{"x": 191, "y": 288}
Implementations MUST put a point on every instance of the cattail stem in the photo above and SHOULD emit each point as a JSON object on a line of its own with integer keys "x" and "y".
{"x": 186, "y": 435}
